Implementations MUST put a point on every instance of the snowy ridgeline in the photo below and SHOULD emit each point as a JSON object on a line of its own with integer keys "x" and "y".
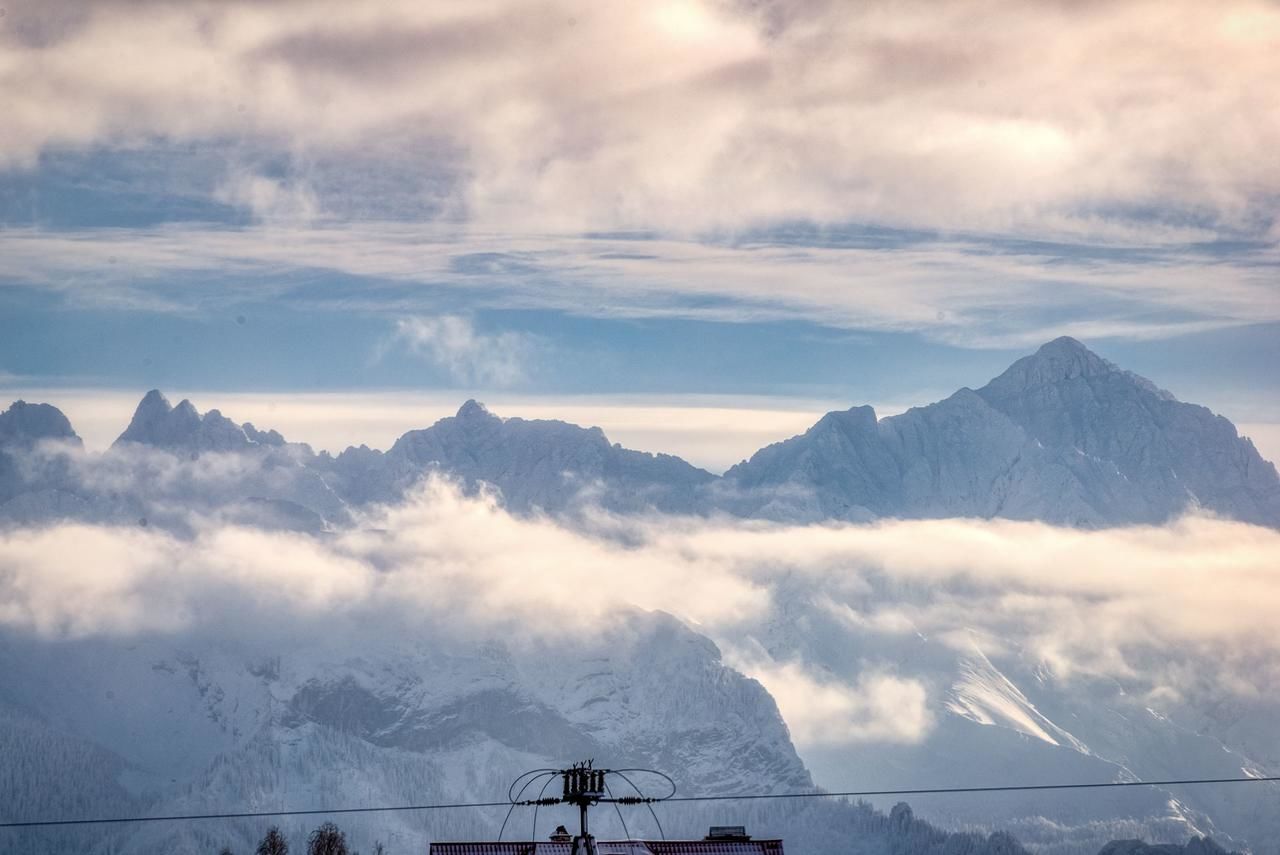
{"x": 1062, "y": 436}
{"x": 223, "y": 734}
{"x": 191, "y": 735}
{"x": 272, "y": 711}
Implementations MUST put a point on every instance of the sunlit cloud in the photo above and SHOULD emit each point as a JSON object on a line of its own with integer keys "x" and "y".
{"x": 877, "y": 707}
{"x": 693, "y": 114}
{"x": 1149, "y": 606}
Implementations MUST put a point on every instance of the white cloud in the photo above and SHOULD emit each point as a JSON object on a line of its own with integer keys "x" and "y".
{"x": 452, "y": 559}
{"x": 270, "y": 200}
{"x": 468, "y": 356}
{"x": 1173, "y": 612}
{"x": 877, "y": 707}
{"x": 695, "y": 113}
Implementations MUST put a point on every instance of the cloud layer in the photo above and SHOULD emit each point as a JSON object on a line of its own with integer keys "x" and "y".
{"x": 694, "y": 113}
{"x": 964, "y": 291}
{"x": 1175, "y": 613}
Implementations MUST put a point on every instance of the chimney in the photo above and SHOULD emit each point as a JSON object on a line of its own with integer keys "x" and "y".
{"x": 728, "y": 833}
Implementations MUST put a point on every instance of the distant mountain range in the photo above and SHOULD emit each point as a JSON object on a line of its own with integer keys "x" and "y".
{"x": 1062, "y": 436}
{"x": 379, "y": 714}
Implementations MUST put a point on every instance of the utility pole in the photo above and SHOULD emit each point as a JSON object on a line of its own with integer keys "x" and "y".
{"x": 584, "y": 787}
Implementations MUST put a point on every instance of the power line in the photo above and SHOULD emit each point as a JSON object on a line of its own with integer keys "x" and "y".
{"x": 920, "y": 791}
{"x": 941, "y": 791}
{"x": 247, "y": 814}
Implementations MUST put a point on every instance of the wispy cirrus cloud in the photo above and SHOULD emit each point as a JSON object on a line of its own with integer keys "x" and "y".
{"x": 967, "y": 291}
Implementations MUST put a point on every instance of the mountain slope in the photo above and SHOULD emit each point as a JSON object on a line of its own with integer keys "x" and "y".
{"x": 1158, "y": 453}
{"x": 265, "y": 719}
{"x": 158, "y": 424}
{"x": 1062, "y": 436}
{"x": 190, "y": 724}
{"x": 536, "y": 465}
{"x": 32, "y": 487}
{"x": 172, "y": 467}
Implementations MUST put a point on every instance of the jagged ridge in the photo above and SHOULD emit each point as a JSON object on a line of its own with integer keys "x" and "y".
{"x": 1062, "y": 436}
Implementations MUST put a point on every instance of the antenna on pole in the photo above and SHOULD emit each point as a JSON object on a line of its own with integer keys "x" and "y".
{"x": 583, "y": 786}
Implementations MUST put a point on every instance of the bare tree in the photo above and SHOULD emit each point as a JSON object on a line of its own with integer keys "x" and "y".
{"x": 328, "y": 839}
{"x": 273, "y": 843}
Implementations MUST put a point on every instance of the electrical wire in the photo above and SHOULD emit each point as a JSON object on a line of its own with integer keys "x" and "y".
{"x": 621, "y": 773}
{"x": 537, "y": 804}
{"x": 244, "y": 814}
{"x": 536, "y": 773}
{"x": 1011, "y": 788}
{"x": 514, "y": 797}
{"x": 662, "y": 775}
{"x": 618, "y": 809}
{"x": 919, "y": 791}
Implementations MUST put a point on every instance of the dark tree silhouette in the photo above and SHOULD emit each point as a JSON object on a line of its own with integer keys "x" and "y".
{"x": 225, "y": 850}
{"x": 328, "y": 839}
{"x": 378, "y": 848}
{"x": 273, "y": 843}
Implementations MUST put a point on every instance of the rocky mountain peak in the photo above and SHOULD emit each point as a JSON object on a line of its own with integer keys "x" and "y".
{"x": 157, "y": 424}
{"x": 25, "y": 423}
{"x": 862, "y": 418}
{"x": 1062, "y": 359}
{"x": 473, "y": 410}
{"x": 153, "y": 405}
{"x": 152, "y": 411}
{"x": 1063, "y": 435}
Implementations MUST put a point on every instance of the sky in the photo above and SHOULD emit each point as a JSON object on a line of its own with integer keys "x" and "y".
{"x": 696, "y": 223}
{"x": 699, "y": 224}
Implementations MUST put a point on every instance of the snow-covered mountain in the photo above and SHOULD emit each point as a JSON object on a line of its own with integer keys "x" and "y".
{"x": 29, "y": 487}
{"x": 342, "y": 716}
{"x": 546, "y": 465}
{"x": 1000, "y": 716}
{"x": 1062, "y": 436}
{"x": 171, "y": 467}
{"x": 158, "y": 424}
{"x": 281, "y": 718}
{"x": 252, "y": 717}
{"x": 1196, "y": 846}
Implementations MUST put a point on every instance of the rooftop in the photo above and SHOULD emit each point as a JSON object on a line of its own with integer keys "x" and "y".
{"x": 615, "y": 847}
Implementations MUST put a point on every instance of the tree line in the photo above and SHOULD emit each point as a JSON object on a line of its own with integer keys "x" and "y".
{"x": 328, "y": 839}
